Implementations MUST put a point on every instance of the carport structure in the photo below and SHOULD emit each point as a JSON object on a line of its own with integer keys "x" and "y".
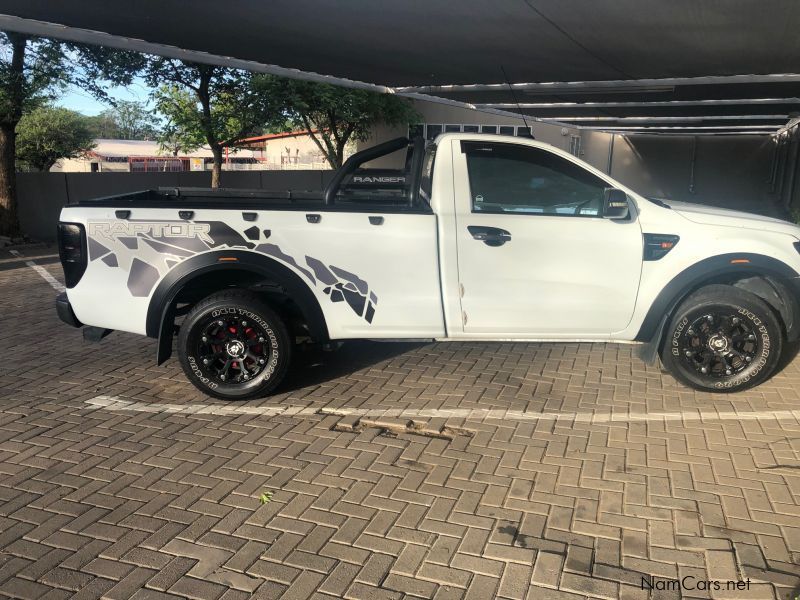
{"x": 627, "y": 65}
{"x": 719, "y": 76}
{"x": 712, "y": 497}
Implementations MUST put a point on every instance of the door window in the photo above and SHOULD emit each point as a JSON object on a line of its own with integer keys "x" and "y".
{"x": 509, "y": 178}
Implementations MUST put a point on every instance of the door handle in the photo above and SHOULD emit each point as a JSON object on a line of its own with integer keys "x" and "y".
{"x": 491, "y": 236}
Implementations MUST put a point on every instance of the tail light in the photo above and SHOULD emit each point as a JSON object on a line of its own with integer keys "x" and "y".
{"x": 72, "y": 251}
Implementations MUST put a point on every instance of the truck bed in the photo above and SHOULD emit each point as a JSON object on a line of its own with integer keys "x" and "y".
{"x": 350, "y": 199}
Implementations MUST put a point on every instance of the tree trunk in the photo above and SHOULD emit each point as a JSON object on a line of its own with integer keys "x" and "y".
{"x": 216, "y": 169}
{"x": 9, "y": 223}
{"x": 340, "y": 155}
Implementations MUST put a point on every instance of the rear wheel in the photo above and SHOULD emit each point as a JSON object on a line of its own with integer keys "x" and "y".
{"x": 723, "y": 339}
{"x": 233, "y": 346}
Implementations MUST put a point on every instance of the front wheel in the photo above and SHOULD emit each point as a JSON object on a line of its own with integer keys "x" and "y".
{"x": 233, "y": 346}
{"x": 723, "y": 339}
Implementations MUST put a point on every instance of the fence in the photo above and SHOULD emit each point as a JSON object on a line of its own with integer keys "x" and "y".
{"x": 40, "y": 196}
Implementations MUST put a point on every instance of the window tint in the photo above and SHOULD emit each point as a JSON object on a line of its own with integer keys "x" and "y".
{"x": 506, "y": 178}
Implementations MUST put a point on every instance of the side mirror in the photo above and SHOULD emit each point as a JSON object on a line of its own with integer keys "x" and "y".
{"x": 615, "y": 204}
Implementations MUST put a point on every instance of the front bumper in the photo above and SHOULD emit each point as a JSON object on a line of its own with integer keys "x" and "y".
{"x": 65, "y": 312}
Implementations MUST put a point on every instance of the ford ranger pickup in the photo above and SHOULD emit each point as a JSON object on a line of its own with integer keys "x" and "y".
{"x": 479, "y": 237}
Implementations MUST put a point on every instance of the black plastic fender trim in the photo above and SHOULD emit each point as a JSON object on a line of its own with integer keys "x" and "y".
{"x": 160, "y": 321}
{"x": 65, "y": 312}
{"x": 695, "y": 276}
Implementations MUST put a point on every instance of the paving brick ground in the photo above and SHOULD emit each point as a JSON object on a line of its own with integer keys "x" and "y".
{"x": 152, "y": 490}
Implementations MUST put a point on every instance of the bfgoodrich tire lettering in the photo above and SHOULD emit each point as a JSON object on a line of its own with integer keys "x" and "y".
{"x": 723, "y": 339}
{"x": 233, "y": 346}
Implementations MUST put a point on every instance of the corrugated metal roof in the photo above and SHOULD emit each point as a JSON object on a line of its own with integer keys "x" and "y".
{"x": 125, "y": 148}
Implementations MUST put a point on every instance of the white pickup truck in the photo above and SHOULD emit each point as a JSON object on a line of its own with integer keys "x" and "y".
{"x": 481, "y": 237}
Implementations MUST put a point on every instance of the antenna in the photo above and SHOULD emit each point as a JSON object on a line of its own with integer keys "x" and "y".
{"x": 519, "y": 108}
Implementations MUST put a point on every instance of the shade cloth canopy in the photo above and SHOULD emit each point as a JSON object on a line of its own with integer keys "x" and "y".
{"x": 729, "y": 65}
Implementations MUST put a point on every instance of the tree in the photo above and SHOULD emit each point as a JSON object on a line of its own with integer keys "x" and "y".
{"x": 32, "y": 71}
{"x": 49, "y": 133}
{"x": 103, "y": 126}
{"x": 217, "y": 105}
{"x": 179, "y": 133}
{"x": 127, "y": 120}
{"x": 334, "y": 115}
{"x": 28, "y": 71}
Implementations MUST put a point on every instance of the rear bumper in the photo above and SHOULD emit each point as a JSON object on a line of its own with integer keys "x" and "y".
{"x": 65, "y": 312}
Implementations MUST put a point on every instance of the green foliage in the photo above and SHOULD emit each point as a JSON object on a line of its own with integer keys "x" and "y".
{"x": 103, "y": 126}
{"x": 265, "y": 497}
{"x": 338, "y": 115}
{"x": 182, "y": 131}
{"x": 212, "y": 103}
{"x": 48, "y": 133}
{"x": 126, "y": 120}
{"x": 96, "y": 69}
{"x": 32, "y": 71}
{"x": 206, "y": 103}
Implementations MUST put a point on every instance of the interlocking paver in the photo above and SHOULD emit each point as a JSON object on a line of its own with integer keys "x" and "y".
{"x": 144, "y": 503}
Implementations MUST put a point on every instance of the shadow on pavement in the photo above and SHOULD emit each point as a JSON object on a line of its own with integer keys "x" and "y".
{"x": 20, "y": 262}
{"x": 313, "y": 366}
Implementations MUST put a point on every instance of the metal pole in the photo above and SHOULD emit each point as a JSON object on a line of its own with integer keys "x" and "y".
{"x": 787, "y": 203}
{"x": 610, "y": 153}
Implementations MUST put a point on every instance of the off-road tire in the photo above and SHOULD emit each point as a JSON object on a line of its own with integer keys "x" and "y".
{"x": 220, "y": 351}
{"x": 723, "y": 339}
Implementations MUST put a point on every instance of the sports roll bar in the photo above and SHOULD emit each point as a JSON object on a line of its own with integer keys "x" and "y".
{"x": 359, "y": 158}
{"x": 415, "y": 175}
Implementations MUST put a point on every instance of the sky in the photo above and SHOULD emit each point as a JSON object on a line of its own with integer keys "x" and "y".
{"x": 82, "y": 101}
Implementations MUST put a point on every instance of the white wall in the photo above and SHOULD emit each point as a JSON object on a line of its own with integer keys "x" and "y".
{"x": 444, "y": 114}
{"x": 732, "y": 171}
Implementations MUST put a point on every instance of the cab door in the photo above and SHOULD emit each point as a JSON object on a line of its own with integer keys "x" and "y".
{"x": 536, "y": 258}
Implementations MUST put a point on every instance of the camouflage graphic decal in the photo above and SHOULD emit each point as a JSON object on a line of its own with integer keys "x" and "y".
{"x": 130, "y": 242}
{"x": 167, "y": 249}
{"x": 321, "y": 271}
{"x": 141, "y": 278}
{"x": 276, "y": 252}
{"x": 111, "y": 260}
{"x": 353, "y": 289}
{"x": 160, "y": 245}
{"x": 96, "y": 249}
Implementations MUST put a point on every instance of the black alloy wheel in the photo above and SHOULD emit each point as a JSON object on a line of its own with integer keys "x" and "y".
{"x": 233, "y": 346}
{"x": 720, "y": 343}
{"x": 723, "y": 339}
